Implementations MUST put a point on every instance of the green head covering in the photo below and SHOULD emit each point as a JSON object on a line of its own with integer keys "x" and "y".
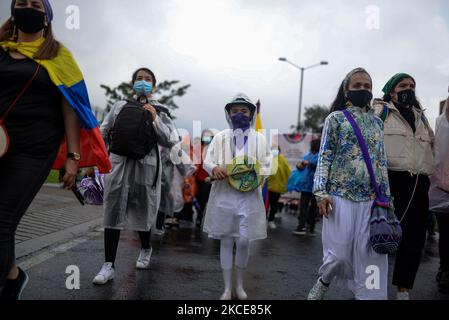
{"x": 391, "y": 84}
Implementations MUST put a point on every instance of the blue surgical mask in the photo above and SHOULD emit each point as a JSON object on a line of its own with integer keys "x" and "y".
{"x": 207, "y": 140}
{"x": 143, "y": 88}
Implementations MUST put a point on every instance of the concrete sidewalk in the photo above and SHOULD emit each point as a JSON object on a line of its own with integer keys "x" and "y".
{"x": 55, "y": 216}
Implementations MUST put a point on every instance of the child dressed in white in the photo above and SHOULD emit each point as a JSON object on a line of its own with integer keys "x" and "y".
{"x": 233, "y": 216}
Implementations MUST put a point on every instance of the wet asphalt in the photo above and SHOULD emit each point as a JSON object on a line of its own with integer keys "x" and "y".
{"x": 185, "y": 265}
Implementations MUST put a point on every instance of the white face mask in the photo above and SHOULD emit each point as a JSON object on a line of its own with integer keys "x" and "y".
{"x": 275, "y": 152}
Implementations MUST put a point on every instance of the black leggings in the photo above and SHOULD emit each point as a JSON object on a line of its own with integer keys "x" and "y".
{"x": 414, "y": 225}
{"x": 160, "y": 220}
{"x": 112, "y": 237}
{"x": 203, "y": 197}
{"x": 21, "y": 178}
{"x": 307, "y": 211}
{"x": 273, "y": 200}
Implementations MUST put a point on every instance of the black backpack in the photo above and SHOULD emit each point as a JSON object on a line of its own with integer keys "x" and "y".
{"x": 133, "y": 135}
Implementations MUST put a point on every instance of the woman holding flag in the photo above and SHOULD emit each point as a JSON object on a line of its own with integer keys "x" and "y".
{"x": 45, "y": 122}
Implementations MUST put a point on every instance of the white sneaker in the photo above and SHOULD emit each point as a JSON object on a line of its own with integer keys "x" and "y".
{"x": 277, "y": 216}
{"x": 143, "y": 262}
{"x": 272, "y": 225}
{"x": 106, "y": 273}
{"x": 318, "y": 291}
{"x": 403, "y": 296}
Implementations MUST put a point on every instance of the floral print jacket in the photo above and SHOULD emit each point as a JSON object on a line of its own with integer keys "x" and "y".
{"x": 341, "y": 170}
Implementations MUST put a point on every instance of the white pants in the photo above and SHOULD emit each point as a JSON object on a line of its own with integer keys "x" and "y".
{"x": 349, "y": 260}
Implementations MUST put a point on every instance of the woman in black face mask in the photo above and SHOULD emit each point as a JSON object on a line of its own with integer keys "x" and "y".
{"x": 38, "y": 107}
{"x": 409, "y": 143}
{"x": 31, "y": 20}
{"x": 27, "y": 152}
{"x": 345, "y": 194}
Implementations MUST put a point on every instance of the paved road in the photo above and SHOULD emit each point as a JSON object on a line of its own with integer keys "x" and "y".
{"x": 185, "y": 266}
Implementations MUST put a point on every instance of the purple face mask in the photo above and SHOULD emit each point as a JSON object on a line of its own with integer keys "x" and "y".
{"x": 243, "y": 123}
{"x": 240, "y": 121}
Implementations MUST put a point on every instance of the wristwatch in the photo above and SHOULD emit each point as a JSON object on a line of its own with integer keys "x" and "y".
{"x": 73, "y": 156}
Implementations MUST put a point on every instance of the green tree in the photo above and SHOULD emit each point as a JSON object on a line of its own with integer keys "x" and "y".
{"x": 314, "y": 118}
{"x": 166, "y": 92}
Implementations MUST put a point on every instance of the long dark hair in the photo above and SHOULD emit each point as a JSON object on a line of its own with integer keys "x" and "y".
{"x": 340, "y": 101}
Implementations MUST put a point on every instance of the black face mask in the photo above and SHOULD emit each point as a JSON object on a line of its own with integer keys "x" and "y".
{"x": 406, "y": 97}
{"x": 29, "y": 20}
{"x": 359, "y": 98}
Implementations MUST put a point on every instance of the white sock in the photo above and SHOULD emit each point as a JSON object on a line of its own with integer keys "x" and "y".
{"x": 242, "y": 255}
{"x": 226, "y": 253}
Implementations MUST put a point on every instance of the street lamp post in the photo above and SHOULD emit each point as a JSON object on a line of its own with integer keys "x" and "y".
{"x": 322, "y": 63}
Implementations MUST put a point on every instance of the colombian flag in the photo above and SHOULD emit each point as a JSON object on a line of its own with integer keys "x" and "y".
{"x": 259, "y": 128}
{"x": 66, "y": 75}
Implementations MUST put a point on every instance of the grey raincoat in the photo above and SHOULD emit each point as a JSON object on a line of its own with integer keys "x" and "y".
{"x": 185, "y": 169}
{"x": 167, "y": 178}
{"x": 130, "y": 201}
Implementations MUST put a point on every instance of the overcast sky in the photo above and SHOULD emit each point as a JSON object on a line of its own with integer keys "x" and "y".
{"x": 230, "y": 46}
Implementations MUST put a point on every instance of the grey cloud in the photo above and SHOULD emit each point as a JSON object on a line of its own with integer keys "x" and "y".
{"x": 117, "y": 36}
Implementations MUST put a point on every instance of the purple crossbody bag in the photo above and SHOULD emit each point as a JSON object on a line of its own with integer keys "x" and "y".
{"x": 385, "y": 228}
